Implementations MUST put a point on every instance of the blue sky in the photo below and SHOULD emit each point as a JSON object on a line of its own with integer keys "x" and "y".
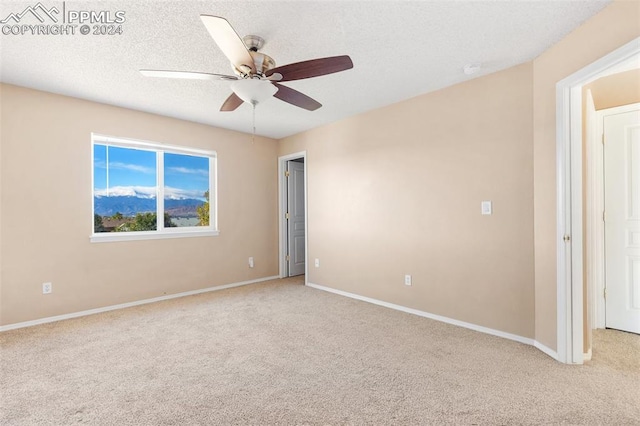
{"x": 133, "y": 172}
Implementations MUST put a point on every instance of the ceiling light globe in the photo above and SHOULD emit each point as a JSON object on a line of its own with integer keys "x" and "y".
{"x": 253, "y": 91}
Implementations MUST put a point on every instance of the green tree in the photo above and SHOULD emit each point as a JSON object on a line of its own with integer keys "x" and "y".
{"x": 117, "y": 216}
{"x": 203, "y": 211}
{"x": 145, "y": 222}
{"x": 98, "y": 226}
{"x": 167, "y": 221}
{"x": 142, "y": 222}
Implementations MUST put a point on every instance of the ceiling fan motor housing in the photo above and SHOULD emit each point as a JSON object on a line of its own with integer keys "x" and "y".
{"x": 262, "y": 62}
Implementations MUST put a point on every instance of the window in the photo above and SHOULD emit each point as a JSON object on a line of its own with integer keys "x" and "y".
{"x": 135, "y": 183}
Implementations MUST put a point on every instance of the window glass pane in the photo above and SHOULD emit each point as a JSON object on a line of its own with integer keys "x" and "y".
{"x": 125, "y": 192}
{"x": 186, "y": 190}
{"x": 99, "y": 181}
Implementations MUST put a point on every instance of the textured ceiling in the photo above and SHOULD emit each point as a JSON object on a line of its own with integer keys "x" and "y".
{"x": 400, "y": 49}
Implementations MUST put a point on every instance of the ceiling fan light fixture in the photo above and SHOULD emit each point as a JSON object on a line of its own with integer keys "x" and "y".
{"x": 253, "y": 90}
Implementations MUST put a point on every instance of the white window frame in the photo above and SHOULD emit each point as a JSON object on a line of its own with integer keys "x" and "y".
{"x": 161, "y": 232}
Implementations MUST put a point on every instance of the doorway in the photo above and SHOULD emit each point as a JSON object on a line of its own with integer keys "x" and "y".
{"x": 571, "y": 318}
{"x": 292, "y": 195}
{"x": 612, "y": 211}
{"x": 621, "y": 153}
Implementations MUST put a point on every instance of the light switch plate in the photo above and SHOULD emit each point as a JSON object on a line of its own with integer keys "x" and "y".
{"x": 485, "y": 207}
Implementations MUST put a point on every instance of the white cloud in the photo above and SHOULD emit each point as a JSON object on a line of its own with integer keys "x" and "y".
{"x": 133, "y": 168}
{"x": 185, "y": 170}
{"x": 125, "y": 166}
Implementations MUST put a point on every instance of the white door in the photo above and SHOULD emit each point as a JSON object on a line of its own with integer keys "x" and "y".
{"x": 295, "y": 215}
{"x": 622, "y": 220}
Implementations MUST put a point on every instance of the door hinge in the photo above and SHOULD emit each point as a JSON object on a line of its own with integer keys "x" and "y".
{"x": 287, "y": 258}
{"x": 603, "y": 139}
{"x": 286, "y": 173}
{"x": 286, "y": 216}
{"x": 605, "y": 292}
{"x": 566, "y": 237}
{"x": 604, "y": 216}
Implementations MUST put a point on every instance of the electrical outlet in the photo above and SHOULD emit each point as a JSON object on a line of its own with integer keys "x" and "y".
{"x": 251, "y": 262}
{"x": 317, "y": 263}
{"x": 407, "y": 280}
{"x": 47, "y": 288}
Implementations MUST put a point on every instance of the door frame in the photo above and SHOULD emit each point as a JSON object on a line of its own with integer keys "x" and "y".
{"x": 569, "y": 184}
{"x": 282, "y": 209}
{"x": 594, "y": 255}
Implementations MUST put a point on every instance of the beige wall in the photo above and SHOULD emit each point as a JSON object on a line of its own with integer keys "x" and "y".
{"x": 397, "y": 191}
{"x": 615, "y": 26}
{"x": 616, "y": 90}
{"x": 46, "y": 210}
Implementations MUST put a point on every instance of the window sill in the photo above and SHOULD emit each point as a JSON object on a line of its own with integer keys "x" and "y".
{"x": 136, "y": 236}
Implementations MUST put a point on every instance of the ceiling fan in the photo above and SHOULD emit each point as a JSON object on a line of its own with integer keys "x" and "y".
{"x": 256, "y": 76}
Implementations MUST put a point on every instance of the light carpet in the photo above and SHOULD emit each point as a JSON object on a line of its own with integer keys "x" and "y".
{"x": 282, "y": 353}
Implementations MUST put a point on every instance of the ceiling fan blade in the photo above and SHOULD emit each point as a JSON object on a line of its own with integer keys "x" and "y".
{"x": 296, "y": 98}
{"x": 229, "y": 42}
{"x": 312, "y": 68}
{"x": 187, "y": 75}
{"x": 232, "y": 102}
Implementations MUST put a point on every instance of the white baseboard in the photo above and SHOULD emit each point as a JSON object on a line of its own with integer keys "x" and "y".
{"x": 553, "y": 354}
{"x": 587, "y": 355}
{"x": 129, "y": 304}
{"x": 440, "y": 318}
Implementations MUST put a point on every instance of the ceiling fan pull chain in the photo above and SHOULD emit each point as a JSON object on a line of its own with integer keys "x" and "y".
{"x": 253, "y": 137}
